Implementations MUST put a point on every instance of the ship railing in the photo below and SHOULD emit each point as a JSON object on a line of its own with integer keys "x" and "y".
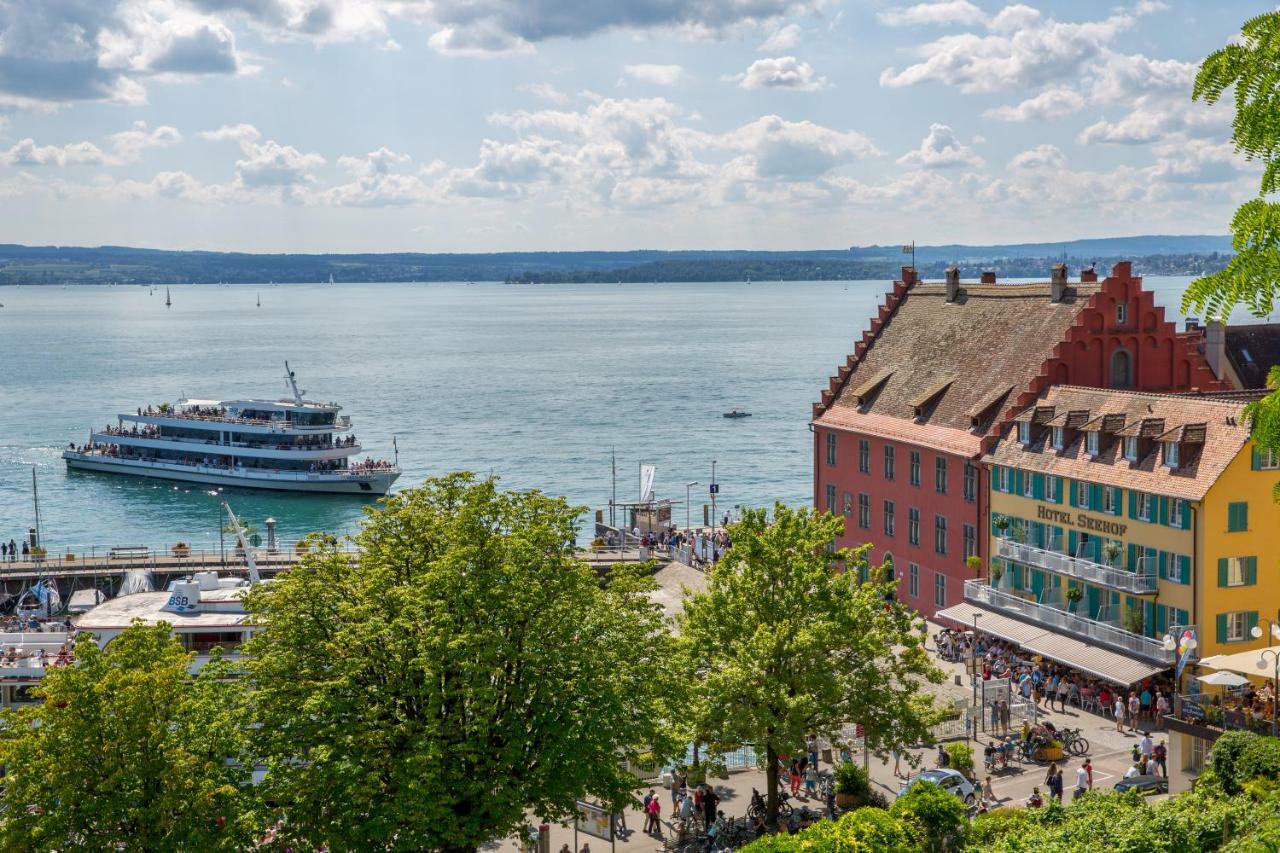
{"x": 115, "y": 432}
{"x": 341, "y": 422}
{"x": 170, "y": 559}
{"x": 359, "y": 470}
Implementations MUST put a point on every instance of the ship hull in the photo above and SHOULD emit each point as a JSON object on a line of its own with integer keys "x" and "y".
{"x": 375, "y": 483}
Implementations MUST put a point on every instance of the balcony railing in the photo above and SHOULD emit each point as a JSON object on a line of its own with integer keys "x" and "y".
{"x": 1077, "y": 567}
{"x": 1068, "y": 623}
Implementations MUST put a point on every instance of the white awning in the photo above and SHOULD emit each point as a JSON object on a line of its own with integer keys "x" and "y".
{"x": 1245, "y": 663}
{"x": 1101, "y": 663}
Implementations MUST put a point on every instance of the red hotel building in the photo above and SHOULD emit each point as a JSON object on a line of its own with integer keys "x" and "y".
{"x": 898, "y": 433}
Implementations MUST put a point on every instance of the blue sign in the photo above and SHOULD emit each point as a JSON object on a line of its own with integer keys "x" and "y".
{"x": 715, "y": 488}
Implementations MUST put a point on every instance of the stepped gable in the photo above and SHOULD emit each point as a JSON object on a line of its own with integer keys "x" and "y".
{"x": 1253, "y": 350}
{"x": 949, "y": 362}
{"x": 1209, "y": 428}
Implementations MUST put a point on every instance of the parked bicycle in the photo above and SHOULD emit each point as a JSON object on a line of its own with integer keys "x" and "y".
{"x": 1073, "y": 743}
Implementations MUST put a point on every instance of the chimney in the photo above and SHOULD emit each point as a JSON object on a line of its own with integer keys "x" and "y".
{"x": 1089, "y": 275}
{"x": 1215, "y": 347}
{"x": 1058, "y": 282}
{"x": 988, "y": 277}
{"x": 909, "y": 275}
{"x": 953, "y": 284}
{"x": 1193, "y": 325}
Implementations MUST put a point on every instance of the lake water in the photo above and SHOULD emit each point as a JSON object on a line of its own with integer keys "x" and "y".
{"x": 535, "y": 384}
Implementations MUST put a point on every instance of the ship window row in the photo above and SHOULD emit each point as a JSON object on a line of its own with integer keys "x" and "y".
{"x": 1082, "y": 494}
{"x": 889, "y": 469}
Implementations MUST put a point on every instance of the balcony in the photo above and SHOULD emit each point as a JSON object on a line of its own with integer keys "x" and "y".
{"x": 1088, "y": 630}
{"x": 1077, "y": 568}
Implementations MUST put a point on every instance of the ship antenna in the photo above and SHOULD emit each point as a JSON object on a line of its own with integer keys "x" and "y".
{"x": 293, "y": 386}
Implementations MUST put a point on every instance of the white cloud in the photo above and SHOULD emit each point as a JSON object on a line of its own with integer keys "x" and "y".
{"x": 658, "y": 75}
{"x": 129, "y": 144}
{"x": 1020, "y": 49}
{"x": 241, "y": 133}
{"x": 545, "y": 91}
{"x": 271, "y": 164}
{"x": 783, "y": 38}
{"x": 1041, "y": 158}
{"x": 795, "y": 150}
{"x": 1049, "y": 104}
{"x": 783, "y": 72}
{"x": 26, "y": 153}
{"x": 943, "y": 13}
{"x": 940, "y": 149}
{"x": 390, "y": 46}
{"x": 377, "y": 182}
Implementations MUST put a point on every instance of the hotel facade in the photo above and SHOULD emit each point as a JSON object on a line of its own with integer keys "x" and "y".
{"x": 901, "y": 430}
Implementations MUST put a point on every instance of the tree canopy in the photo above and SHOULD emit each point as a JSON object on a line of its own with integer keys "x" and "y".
{"x": 468, "y": 675}
{"x": 127, "y": 752}
{"x": 787, "y": 643}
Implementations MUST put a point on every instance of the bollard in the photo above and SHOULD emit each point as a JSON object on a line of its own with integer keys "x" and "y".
{"x": 271, "y": 535}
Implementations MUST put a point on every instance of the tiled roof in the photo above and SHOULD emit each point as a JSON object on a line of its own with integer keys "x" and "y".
{"x": 959, "y": 442}
{"x": 992, "y": 338}
{"x": 1210, "y": 425}
{"x": 1253, "y": 350}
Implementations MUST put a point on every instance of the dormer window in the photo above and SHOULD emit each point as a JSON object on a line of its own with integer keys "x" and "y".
{"x": 1092, "y": 442}
{"x": 1171, "y": 454}
{"x": 1024, "y": 432}
{"x": 1131, "y": 448}
{"x": 1058, "y": 435}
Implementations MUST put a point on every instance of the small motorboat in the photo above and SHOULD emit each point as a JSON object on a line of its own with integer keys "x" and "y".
{"x": 737, "y": 413}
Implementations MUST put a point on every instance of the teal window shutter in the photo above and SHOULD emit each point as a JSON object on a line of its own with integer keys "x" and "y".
{"x": 1164, "y": 510}
{"x": 1250, "y": 622}
{"x": 1222, "y": 627}
{"x": 1163, "y": 560}
{"x": 1133, "y": 557}
{"x": 1095, "y": 496}
{"x": 1072, "y": 539}
{"x": 1071, "y": 492}
{"x": 1037, "y": 486}
{"x": 1186, "y": 515}
{"x": 1250, "y": 570}
{"x": 1222, "y": 571}
{"x": 1133, "y": 504}
{"x": 1256, "y": 464}
{"x": 1185, "y": 569}
{"x": 1057, "y": 489}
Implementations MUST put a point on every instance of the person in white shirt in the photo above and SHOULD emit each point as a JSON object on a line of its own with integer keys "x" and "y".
{"x": 1119, "y": 712}
{"x": 1132, "y": 771}
{"x": 1145, "y": 746}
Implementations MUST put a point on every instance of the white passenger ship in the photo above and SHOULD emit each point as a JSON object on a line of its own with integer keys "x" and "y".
{"x": 287, "y": 445}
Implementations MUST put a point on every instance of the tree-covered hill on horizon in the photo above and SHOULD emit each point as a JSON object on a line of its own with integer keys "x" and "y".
{"x": 1153, "y": 255}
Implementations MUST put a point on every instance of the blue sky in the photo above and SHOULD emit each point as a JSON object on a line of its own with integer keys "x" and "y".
{"x": 488, "y": 125}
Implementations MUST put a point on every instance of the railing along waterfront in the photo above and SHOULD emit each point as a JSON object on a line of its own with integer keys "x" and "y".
{"x": 1077, "y": 567}
{"x": 1070, "y": 623}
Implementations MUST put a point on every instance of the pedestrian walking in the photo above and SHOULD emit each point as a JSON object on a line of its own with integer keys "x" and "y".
{"x": 1135, "y": 706}
{"x": 648, "y": 816}
{"x": 709, "y": 802}
{"x": 1054, "y": 782}
{"x": 1004, "y": 716}
{"x": 1084, "y": 780}
{"x": 1119, "y": 713}
{"x": 655, "y": 816}
{"x": 995, "y": 715}
{"x": 1161, "y": 756}
{"x": 897, "y": 764}
{"x": 1145, "y": 745}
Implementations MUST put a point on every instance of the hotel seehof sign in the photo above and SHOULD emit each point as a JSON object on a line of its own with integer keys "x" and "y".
{"x": 1080, "y": 520}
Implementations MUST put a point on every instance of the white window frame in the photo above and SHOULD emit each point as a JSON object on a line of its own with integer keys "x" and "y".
{"x": 1131, "y": 448}
{"x": 1236, "y": 623}
{"x": 1050, "y": 487}
{"x": 1002, "y": 478}
{"x": 1082, "y": 493}
{"x": 1024, "y": 432}
{"x": 1268, "y": 460}
{"x": 1059, "y": 435}
{"x": 1176, "y": 507}
{"x": 1235, "y": 571}
{"x": 1092, "y": 442}
{"x": 1171, "y": 454}
{"x": 1144, "y": 506}
{"x": 1028, "y": 484}
{"x": 1110, "y": 499}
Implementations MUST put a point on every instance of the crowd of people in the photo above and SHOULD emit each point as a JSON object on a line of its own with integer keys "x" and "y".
{"x": 9, "y": 551}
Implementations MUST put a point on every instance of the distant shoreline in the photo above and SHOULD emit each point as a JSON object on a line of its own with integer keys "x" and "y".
{"x": 56, "y": 265}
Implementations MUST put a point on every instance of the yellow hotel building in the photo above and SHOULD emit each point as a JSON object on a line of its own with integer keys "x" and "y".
{"x": 1118, "y": 519}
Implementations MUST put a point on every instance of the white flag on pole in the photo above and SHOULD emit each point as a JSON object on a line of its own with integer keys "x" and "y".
{"x": 646, "y": 482}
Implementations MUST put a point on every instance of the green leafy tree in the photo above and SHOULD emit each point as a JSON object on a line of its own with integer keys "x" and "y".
{"x": 1250, "y": 66}
{"x": 785, "y": 644}
{"x": 127, "y": 752}
{"x": 469, "y": 674}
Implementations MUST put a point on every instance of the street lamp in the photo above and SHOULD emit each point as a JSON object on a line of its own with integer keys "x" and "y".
{"x": 1275, "y": 679}
{"x": 1256, "y": 632}
{"x": 973, "y": 674}
{"x": 687, "y": 487}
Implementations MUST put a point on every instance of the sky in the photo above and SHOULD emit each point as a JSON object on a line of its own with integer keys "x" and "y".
{"x": 496, "y": 125}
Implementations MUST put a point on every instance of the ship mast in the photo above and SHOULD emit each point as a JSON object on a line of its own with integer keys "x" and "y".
{"x": 293, "y": 386}
{"x": 252, "y": 566}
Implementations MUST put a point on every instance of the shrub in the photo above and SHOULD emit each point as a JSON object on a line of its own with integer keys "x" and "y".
{"x": 960, "y": 754}
{"x": 867, "y": 830}
{"x": 1259, "y": 760}
{"x": 935, "y": 818}
{"x": 986, "y": 829}
{"x": 850, "y": 779}
{"x": 1224, "y": 757}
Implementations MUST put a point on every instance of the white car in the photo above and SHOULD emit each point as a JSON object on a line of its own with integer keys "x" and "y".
{"x": 948, "y": 780}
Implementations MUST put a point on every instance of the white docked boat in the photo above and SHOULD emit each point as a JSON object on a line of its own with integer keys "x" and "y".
{"x": 287, "y": 445}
